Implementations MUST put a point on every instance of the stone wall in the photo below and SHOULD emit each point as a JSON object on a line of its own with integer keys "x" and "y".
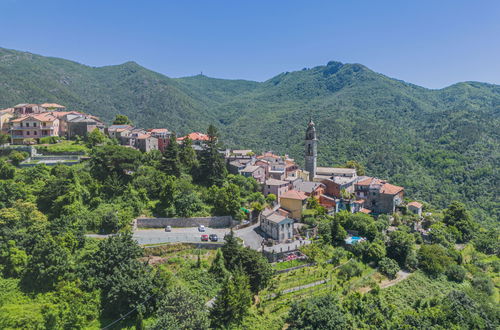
{"x": 212, "y": 222}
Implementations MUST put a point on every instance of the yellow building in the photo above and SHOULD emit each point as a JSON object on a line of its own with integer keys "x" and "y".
{"x": 294, "y": 202}
{"x": 5, "y": 116}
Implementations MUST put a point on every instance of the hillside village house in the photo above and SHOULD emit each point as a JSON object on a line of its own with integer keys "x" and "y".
{"x": 197, "y": 138}
{"x": 310, "y": 188}
{"x": 28, "y": 109}
{"x": 415, "y": 207}
{"x": 253, "y": 171}
{"x": 5, "y": 116}
{"x": 294, "y": 202}
{"x": 276, "y": 187}
{"x": 33, "y": 127}
{"x": 163, "y": 136}
{"x": 379, "y": 195}
{"x": 277, "y": 226}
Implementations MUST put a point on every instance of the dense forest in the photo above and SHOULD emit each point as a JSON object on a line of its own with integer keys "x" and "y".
{"x": 54, "y": 276}
{"x": 441, "y": 145}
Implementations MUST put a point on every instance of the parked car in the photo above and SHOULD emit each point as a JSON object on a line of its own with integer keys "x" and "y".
{"x": 214, "y": 237}
{"x": 204, "y": 238}
{"x": 201, "y": 228}
{"x": 168, "y": 228}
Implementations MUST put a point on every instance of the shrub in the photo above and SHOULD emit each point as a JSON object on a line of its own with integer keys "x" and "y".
{"x": 484, "y": 284}
{"x": 456, "y": 273}
{"x": 350, "y": 269}
{"x": 388, "y": 267}
{"x": 434, "y": 259}
{"x": 17, "y": 157}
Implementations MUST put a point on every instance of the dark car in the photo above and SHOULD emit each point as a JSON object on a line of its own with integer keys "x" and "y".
{"x": 214, "y": 237}
{"x": 204, "y": 238}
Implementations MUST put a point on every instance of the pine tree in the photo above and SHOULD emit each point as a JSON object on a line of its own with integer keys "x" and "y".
{"x": 170, "y": 162}
{"x": 212, "y": 166}
{"x": 232, "y": 303}
{"x": 218, "y": 269}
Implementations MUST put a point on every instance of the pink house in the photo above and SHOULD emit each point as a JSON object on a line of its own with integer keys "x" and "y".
{"x": 33, "y": 127}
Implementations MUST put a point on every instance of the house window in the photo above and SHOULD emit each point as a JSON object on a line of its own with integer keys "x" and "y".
{"x": 34, "y": 124}
{"x": 44, "y": 124}
{"x": 27, "y": 124}
{"x": 35, "y": 133}
{"x": 27, "y": 132}
{"x": 21, "y": 124}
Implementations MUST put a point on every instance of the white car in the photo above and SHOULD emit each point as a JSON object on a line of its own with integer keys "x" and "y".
{"x": 201, "y": 228}
{"x": 168, "y": 228}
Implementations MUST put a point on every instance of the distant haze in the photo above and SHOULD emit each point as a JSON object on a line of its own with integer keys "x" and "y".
{"x": 428, "y": 43}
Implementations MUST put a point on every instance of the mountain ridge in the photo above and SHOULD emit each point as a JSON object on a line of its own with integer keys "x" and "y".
{"x": 440, "y": 144}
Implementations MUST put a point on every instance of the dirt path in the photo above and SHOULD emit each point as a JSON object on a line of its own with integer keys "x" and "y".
{"x": 402, "y": 275}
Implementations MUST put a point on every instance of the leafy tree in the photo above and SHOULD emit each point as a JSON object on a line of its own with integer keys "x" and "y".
{"x": 47, "y": 265}
{"x": 375, "y": 251}
{"x": 7, "y": 171}
{"x": 13, "y": 259}
{"x": 232, "y": 303}
{"x": 488, "y": 241}
{"x": 457, "y": 215}
{"x": 4, "y": 138}
{"x": 181, "y": 309}
{"x": 484, "y": 284}
{"x": 171, "y": 163}
{"x": 338, "y": 232}
{"x": 456, "y": 273}
{"x": 350, "y": 269}
{"x": 323, "y": 312}
{"x": 360, "y": 170}
{"x": 271, "y": 198}
{"x": 212, "y": 165}
{"x": 95, "y": 138}
{"x": 225, "y": 199}
{"x": 16, "y": 157}
{"x": 121, "y": 120}
{"x": 109, "y": 160}
{"x": 187, "y": 156}
{"x": 388, "y": 267}
{"x": 434, "y": 259}
{"x": 400, "y": 246}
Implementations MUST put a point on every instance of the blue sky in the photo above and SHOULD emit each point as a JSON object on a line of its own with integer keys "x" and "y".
{"x": 429, "y": 43}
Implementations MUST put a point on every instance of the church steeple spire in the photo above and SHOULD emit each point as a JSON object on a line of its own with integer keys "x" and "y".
{"x": 311, "y": 151}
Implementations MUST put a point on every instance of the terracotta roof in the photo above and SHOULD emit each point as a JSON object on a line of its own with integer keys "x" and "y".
{"x": 390, "y": 189}
{"x": 268, "y": 154}
{"x": 8, "y": 110}
{"x": 158, "y": 130}
{"x": 45, "y": 116}
{"x": 415, "y": 204}
{"x": 195, "y": 136}
{"x": 294, "y": 194}
{"x": 368, "y": 181}
{"x": 52, "y": 105}
{"x": 283, "y": 212}
{"x": 366, "y": 211}
{"x": 275, "y": 182}
{"x": 359, "y": 201}
{"x": 59, "y": 114}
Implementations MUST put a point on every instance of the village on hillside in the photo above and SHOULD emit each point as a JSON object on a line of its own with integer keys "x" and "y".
{"x": 282, "y": 180}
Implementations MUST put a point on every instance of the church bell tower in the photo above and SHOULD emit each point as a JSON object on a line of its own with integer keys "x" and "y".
{"x": 311, "y": 150}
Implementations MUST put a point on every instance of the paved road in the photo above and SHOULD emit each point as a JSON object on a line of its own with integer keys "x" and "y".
{"x": 177, "y": 235}
{"x": 250, "y": 236}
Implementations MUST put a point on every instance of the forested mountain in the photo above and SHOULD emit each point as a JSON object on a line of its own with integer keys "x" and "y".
{"x": 440, "y": 144}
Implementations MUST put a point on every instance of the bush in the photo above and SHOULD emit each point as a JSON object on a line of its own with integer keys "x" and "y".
{"x": 50, "y": 139}
{"x": 17, "y": 157}
{"x": 388, "y": 267}
{"x": 350, "y": 269}
{"x": 484, "y": 284}
{"x": 434, "y": 259}
{"x": 456, "y": 273}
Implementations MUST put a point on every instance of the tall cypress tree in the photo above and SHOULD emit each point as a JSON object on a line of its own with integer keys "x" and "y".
{"x": 170, "y": 162}
{"x": 232, "y": 303}
{"x": 213, "y": 167}
{"x": 187, "y": 156}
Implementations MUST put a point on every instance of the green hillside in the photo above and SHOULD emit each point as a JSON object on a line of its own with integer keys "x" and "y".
{"x": 440, "y": 144}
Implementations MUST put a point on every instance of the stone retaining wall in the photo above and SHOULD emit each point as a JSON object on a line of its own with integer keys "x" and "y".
{"x": 212, "y": 222}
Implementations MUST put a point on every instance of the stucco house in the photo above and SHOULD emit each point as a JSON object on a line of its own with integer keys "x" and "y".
{"x": 163, "y": 136}
{"x": 379, "y": 195}
{"x": 294, "y": 202}
{"x": 277, "y": 187}
{"x": 277, "y": 226}
{"x": 33, "y": 127}
{"x": 253, "y": 171}
{"x": 415, "y": 207}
